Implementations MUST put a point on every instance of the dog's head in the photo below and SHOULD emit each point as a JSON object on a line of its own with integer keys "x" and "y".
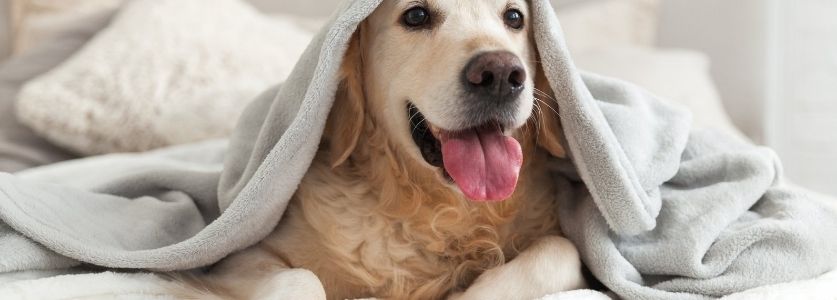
{"x": 453, "y": 83}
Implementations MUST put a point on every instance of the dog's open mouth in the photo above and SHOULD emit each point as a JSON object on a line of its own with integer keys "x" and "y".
{"x": 482, "y": 161}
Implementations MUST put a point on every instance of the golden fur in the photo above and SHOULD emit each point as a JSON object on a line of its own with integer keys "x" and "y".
{"x": 372, "y": 219}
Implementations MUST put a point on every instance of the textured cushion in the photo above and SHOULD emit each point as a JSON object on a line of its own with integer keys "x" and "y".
{"x": 158, "y": 77}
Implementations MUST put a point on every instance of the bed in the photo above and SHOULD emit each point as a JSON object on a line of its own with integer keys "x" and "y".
{"x": 616, "y": 38}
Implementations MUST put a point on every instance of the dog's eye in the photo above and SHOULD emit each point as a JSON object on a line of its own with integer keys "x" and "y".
{"x": 513, "y": 18}
{"x": 416, "y": 17}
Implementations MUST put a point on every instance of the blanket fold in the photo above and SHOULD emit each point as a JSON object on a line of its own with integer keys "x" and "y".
{"x": 658, "y": 210}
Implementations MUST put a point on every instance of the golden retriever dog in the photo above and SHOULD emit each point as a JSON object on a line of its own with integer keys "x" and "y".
{"x": 431, "y": 181}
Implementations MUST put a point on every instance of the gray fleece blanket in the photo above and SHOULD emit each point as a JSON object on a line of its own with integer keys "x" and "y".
{"x": 657, "y": 210}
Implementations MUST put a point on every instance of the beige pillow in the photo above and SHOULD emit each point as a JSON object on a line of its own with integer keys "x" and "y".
{"x": 157, "y": 76}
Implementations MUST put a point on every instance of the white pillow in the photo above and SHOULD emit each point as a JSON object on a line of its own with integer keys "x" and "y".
{"x": 158, "y": 76}
{"x": 680, "y": 76}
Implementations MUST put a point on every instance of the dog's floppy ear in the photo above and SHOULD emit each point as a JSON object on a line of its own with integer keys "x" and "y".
{"x": 345, "y": 122}
{"x": 550, "y": 133}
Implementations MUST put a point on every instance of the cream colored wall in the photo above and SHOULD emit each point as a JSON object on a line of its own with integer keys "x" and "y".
{"x": 735, "y": 36}
{"x": 801, "y": 121}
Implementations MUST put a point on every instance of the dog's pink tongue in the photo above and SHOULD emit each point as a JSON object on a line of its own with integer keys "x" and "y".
{"x": 484, "y": 164}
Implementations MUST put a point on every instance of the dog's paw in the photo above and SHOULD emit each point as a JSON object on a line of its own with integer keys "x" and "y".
{"x": 549, "y": 266}
{"x": 291, "y": 284}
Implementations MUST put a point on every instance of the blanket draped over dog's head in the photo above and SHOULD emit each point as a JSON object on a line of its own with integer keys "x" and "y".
{"x": 657, "y": 210}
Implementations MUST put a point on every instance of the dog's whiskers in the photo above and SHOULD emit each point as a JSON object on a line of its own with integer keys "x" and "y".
{"x": 545, "y": 94}
{"x": 547, "y": 105}
{"x": 417, "y": 126}
{"x": 412, "y": 119}
{"x": 539, "y": 112}
{"x": 538, "y": 124}
{"x": 415, "y": 114}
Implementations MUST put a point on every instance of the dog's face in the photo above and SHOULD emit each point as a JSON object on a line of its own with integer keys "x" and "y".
{"x": 462, "y": 63}
{"x": 452, "y": 81}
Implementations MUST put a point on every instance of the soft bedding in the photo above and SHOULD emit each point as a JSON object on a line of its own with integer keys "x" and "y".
{"x": 110, "y": 285}
{"x": 657, "y": 210}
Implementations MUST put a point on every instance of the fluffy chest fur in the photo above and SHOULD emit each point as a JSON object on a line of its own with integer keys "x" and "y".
{"x": 380, "y": 226}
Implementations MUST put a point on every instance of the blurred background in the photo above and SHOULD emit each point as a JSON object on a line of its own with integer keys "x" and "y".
{"x": 763, "y": 69}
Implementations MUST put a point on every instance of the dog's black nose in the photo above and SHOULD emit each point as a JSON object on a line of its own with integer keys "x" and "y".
{"x": 495, "y": 75}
